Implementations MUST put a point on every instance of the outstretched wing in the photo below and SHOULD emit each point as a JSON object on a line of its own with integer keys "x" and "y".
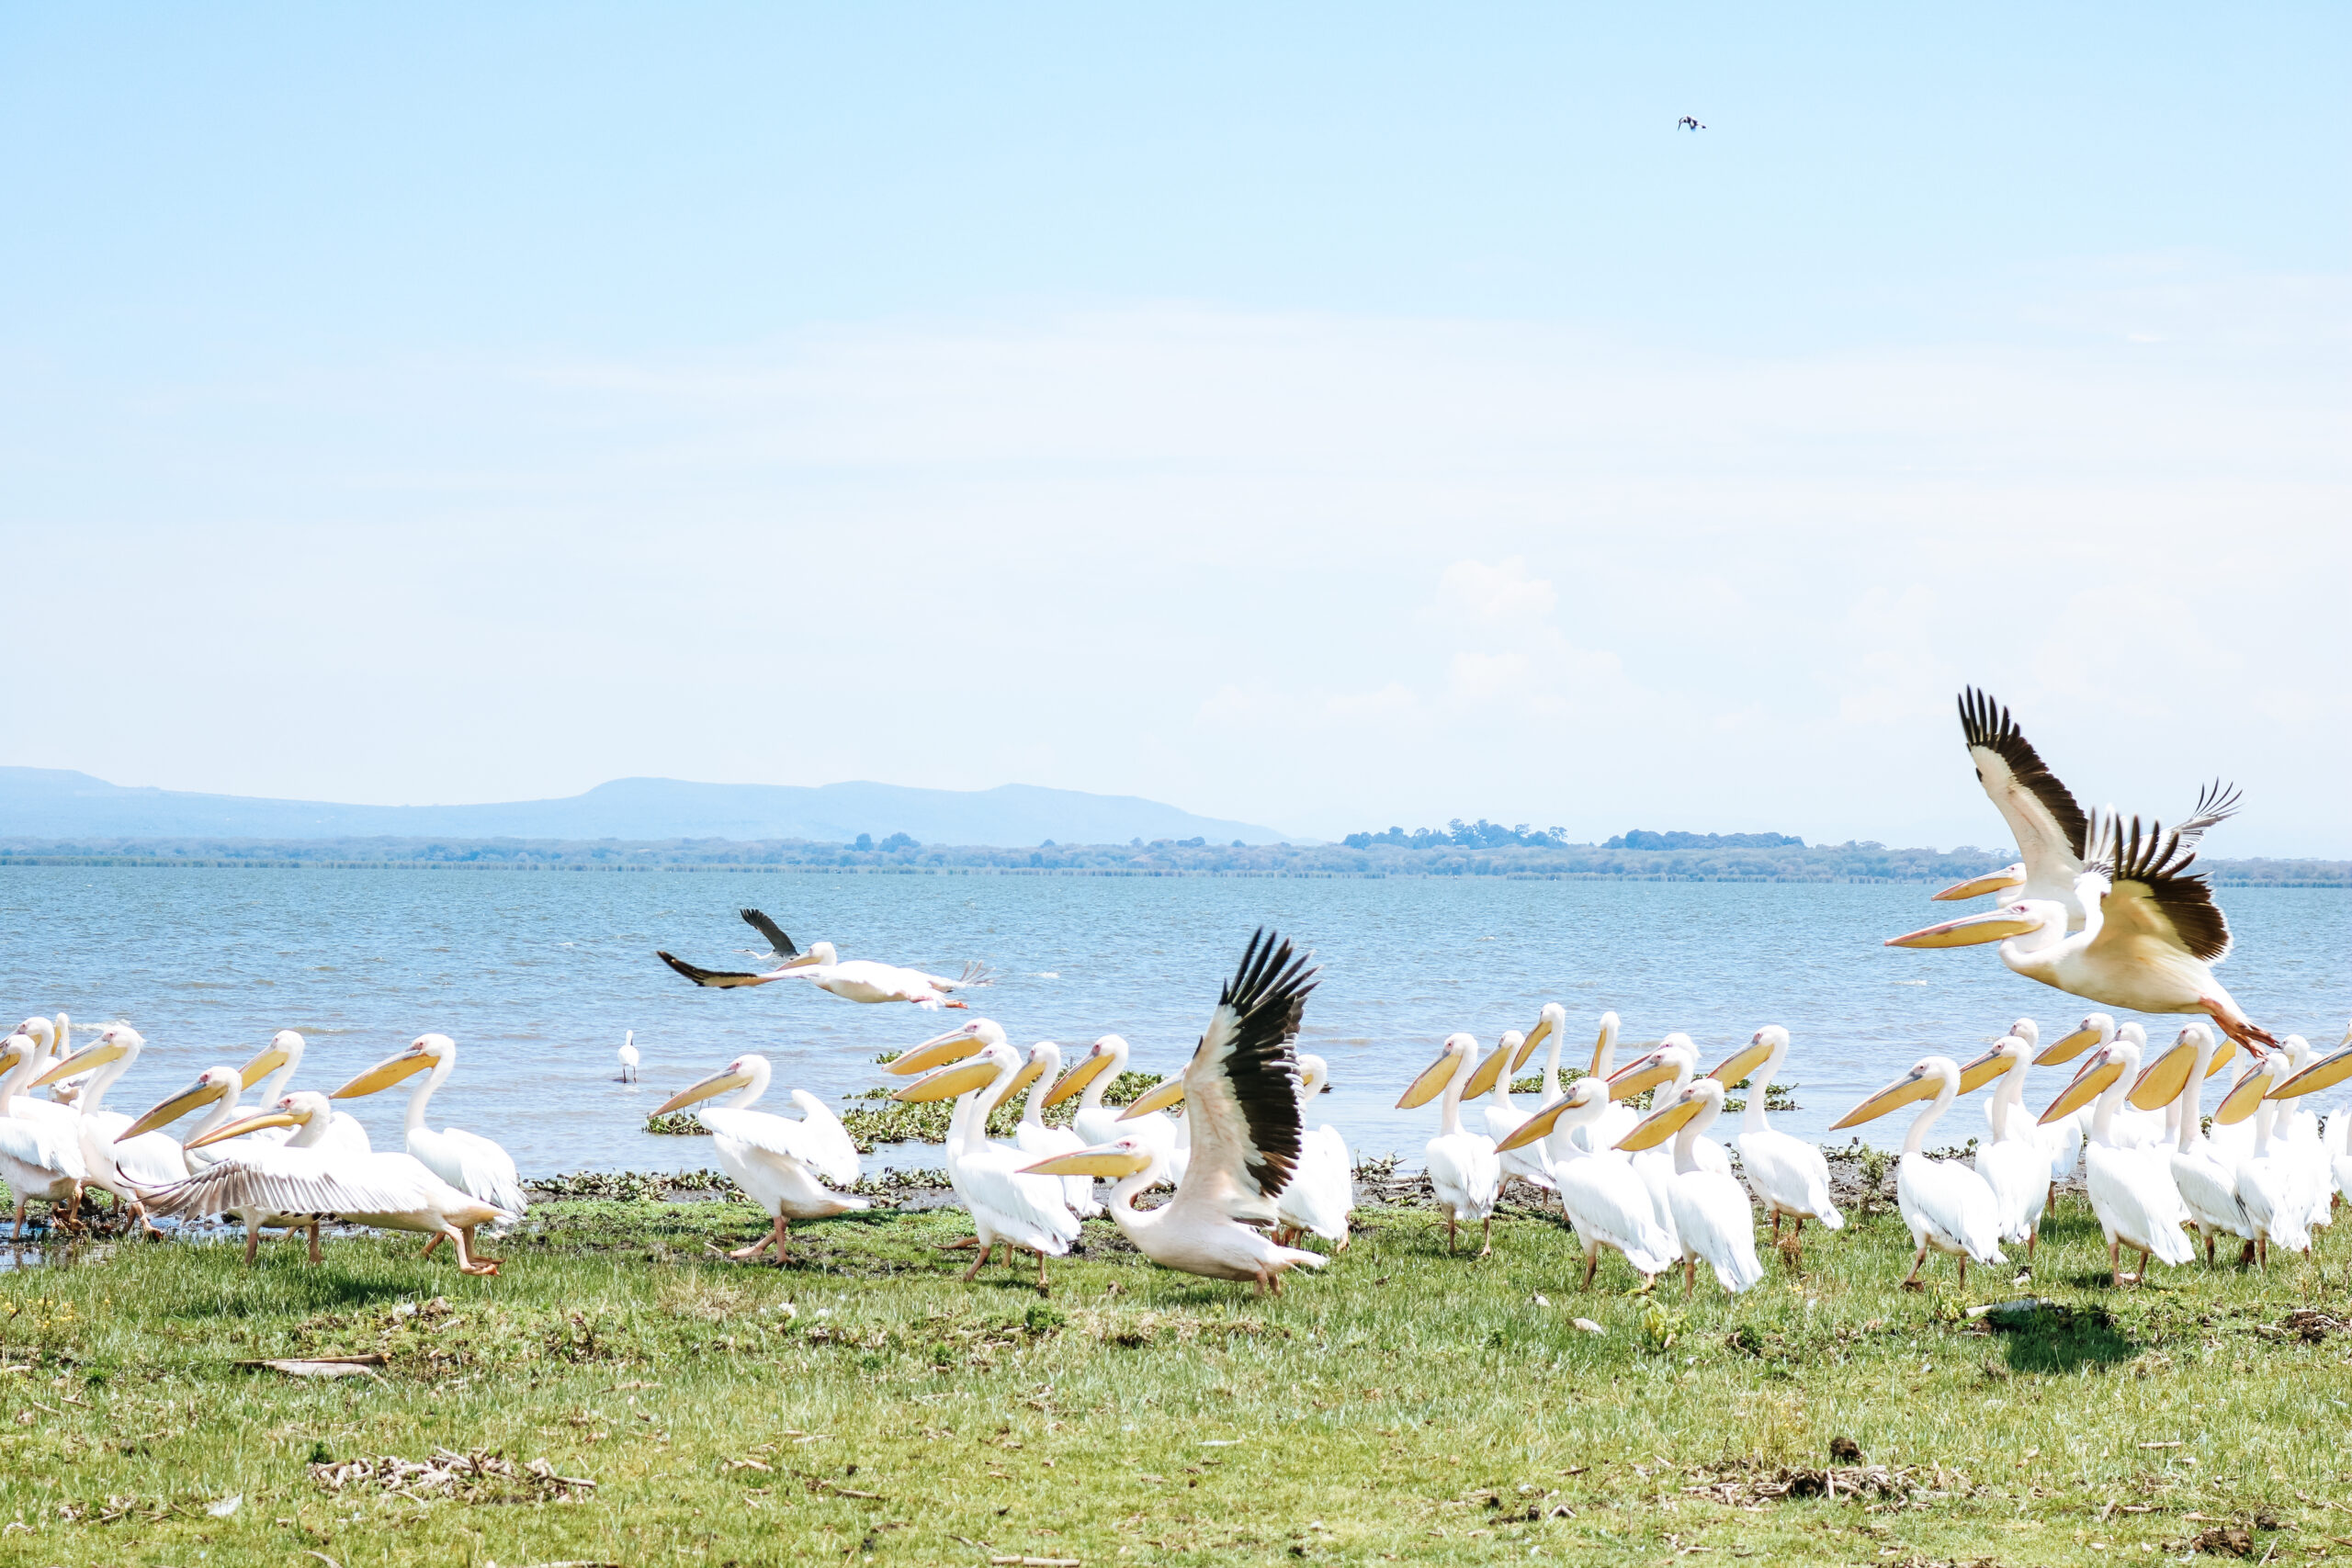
{"x": 778, "y": 943}
{"x": 718, "y": 977}
{"x": 2050, "y": 828}
{"x": 975, "y": 973}
{"x": 816, "y": 1145}
{"x": 1241, "y": 1086}
{"x": 2155, "y": 904}
{"x": 2216, "y": 804}
{"x": 382, "y": 1185}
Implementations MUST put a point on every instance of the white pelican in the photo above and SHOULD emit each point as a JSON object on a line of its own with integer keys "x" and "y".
{"x": 2130, "y": 1188}
{"x": 1463, "y": 1167}
{"x": 1551, "y": 1028}
{"x": 2150, "y": 931}
{"x": 858, "y": 980}
{"x": 1598, "y": 1192}
{"x": 1711, "y": 1219}
{"x": 2271, "y": 1181}
{"x": 781, "y": 1164}
{"x": 39, "y": 1158}
{"x": 466, "y": 1161}
{"x": 2005, "y": 1106}
{"x": 1241, "y": 1100}
{"x": 221, "y": 1088}
{"x": 280, "y": 1061}
{"x": 1670, "y": 1065}
{"x": 1099, "y": 1123}
{"x": 2050, "y": 830}
{"x": 1789, "y": 1175}
{"x": 2208, "y": 1183}
{"x": 52, "y": 1043}
{"x": 1948, "y": 1207}
{"x": 628, "y": 1057}
{"x": 1038, "y": 1140}
{"x": 2129, "y": 1128}
{"x": 302, "y": 1178}
{"x": 2015, "y": 1163}
{"x": 1607, "y": 1130}
{"x": 122, "y": 1168}
{"x": 1529, "y": 1163}
{"x": 1007, "y": 1206}
{"x": 1322, "y": 1191}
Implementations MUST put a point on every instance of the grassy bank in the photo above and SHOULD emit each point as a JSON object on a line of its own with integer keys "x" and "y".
{"x": 864, "y": 1405}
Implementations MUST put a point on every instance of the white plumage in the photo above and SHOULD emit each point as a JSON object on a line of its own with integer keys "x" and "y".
{"x": 40, "y": 1156}
{"x": 1321, "y": 1194}
{"x": 467, "y": 1161}
{"x": 1097, "y": 1124}
{"x": 1462, "y": 1166}
{"x": 2015, "y": 1163}
{"x": 128, "y": 1166}
{"x": 1598, "y": 1192}
{"x": 1947, "y": 1207}
{"x": 781, "y": 1164}
{"x": 1007, "y": 1204}
{"x": 1789, "y": 1176}
{"x": 1713, "y": 1222}
{"x": 1036, "y": 1141}
{"x": 1530, "y": 1162}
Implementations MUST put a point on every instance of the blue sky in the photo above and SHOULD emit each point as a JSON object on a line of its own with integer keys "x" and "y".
{"x": 1331, "y": 417}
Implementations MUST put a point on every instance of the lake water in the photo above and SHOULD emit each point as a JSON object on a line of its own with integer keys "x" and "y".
{"x": 536, "y": 975}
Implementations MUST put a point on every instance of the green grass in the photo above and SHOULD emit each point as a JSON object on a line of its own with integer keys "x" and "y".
{"x": 1403, "y": 1406}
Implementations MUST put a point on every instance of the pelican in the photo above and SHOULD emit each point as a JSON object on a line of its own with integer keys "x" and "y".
{"x": 1322, "y": 1191}
{"x": 2130, "y": 1188}
{"x": 1038, "y": 1140}
{"x": 278, "y": 1062}
{"x": 1598, "y": 1192}
{"x": 1241, "y": 1100}
{"x": 220, "y": 1089}
{"x": 781, "y": 1164}
{"x": 2015, "y": 1163}
{"x": 466, "y": 1161}
{"x": 1789, "y": 1175}
{"x": 39, "y": 1158}
{"x": 2306, "y": 1143}
{"x": 628, "y": 1057}
{"x": 1675, "y": 1058}
{"x": 1007, "y": 1206}
{"x": 1711, "y": 1219}
{"x": 2208, "y": 1183}
{"x": 2129, "y": 1128}
{"x": 2051, "y": 830}
{"x": 1529, "y": 1163}
{"x": 1463, "y": 1167}
{"x": 123, "y": 1169}
{"x": 53, "y": 1041}
{"x": 1607, "y": 1130}
{"x": 1948, "y": 1207}
{"x": 2005, "y": 1104}
{"x": 2271, "y": 1181}
{"x": 1097, "y": 1124}
{"x": 858, "y": 980}
{"x": 301, "y": 1177}
{"x": 2150, "y": 931}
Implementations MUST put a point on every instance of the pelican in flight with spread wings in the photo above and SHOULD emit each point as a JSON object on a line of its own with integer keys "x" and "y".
{"x": 1241, "y": 1100}
{"x": 466, "y": 1161}
{"x": 2051, "y": 833}
{"x": 857, "y": 980}
{"x": 781, "y": 1164}
{"x": 1948, "y": 1207}
{"x": 2151, "y": 932}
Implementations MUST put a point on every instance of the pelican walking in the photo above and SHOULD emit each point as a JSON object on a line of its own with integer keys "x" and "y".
{"x": 1789, "y": 1175}
{"x": 1006, "y": 1204}
{"x": 781, "y": 1165}
{"x": 124, "y": 1169}
{"x": 1530, "y": 1162}
{"x": 466, "y": 1161}
{"x": 1038, "y": 1140}
{"x": 2270, "y": 1180}
{"x": 1599, "y": 1193}
{"x": 1948, "y": 1207}
{"x": 2130, "y": 1186}
{"x": 220, "y": 1089}
{"x": 1711, "y": 1219}
{"x": 1465, "y": 1170}
{"x": 2207, "y": 1182}
{"x": 2015, "y": 1163}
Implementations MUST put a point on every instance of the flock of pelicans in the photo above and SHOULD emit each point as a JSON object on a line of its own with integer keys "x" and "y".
{"x": 2105, "y": 911}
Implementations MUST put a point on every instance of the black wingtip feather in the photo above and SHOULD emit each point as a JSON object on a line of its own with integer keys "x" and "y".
{"x": 777, "y": 942}
{"x": 1984, "y": 722}
{"x": 701, "y": 977}
{"x": 1268, "y": 994}
{"x": 2160, "y": 861}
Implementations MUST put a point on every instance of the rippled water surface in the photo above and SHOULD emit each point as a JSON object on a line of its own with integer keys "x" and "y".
{"x": 537, "y": 974}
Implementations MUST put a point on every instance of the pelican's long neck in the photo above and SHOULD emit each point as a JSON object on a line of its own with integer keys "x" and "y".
{"x": 423, "y": 1093}
{"x": 13, "y": 1075}
{"x": 2192, "y": 1097}
{"x": 94, "y": 1094}
{"x": 1947, "y": 1090}
{"x": 761, "y": 1074}
{"x": 1751, "y": 1120}
{"x": 1604, "y": 1060}
{"x": 1091, "y": 1099}
{"x": 310, "y": 1133}
{"x": 1449, "y": 1107}
{"x": 1502, "y": 1090}
{"x": 2040, "y": 947}
{"x": 274, "y": 1087}
{"x": 2111, "y": 1099}
{"x": 1123, "y": 1200}
{"x": 1032, "y": 1111}
{"x": 1551, "y": 1069}
{"x": 2012, "y": 1101}
{"x": 222, "y": 1111}
{"x": 1686, "y": 1142}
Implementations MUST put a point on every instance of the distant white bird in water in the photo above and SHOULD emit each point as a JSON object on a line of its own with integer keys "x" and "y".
{"x": 627, "y": 1053}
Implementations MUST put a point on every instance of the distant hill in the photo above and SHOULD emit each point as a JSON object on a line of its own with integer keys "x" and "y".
{"x": 53, "y": 804}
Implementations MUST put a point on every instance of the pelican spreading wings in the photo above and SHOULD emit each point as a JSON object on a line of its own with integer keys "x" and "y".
{"x": 1240, "y": 1092}
{"x": 858, "y": 980}
{"x": 2052, "y": 834}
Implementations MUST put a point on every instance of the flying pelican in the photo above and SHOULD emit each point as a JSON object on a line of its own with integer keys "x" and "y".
{"x": 1598, "y": 1192}
{"x": 858, "y": 980}
{"x": 2015, "y": 1163}
{"x": 781, "y": 1164}
{"x": 1038, "y": 1140}
{"x": 1241, "y": 1101}
{"x": 278, "y": 1062}
{"x": 1789, "y": 1175}
{"x": 2130, "y": 1188}
{"x": 1529, "y": 1163}
{"x": 301, "y": 1177}
{"x": 2208, "y": 1183}
{"x": 1463, "y": 1167}
{"x": 1711, "y": 1219}
{"x": 2269, "y": 1180}
{"x": 39, "y": 1158}
{"x": 2151, "y": 930}
{"x": 1948, "y": 1207}
{"x": 1099, "y": 1123}
{"x": 1322, "y": 1191}
{"x": 124, "y": 1169}
{"x": 2050, "y": 830}
{"x": 628, "y": 1057}
{"x": 1007, "y": 1206}
{"x": 466, "y": 1161}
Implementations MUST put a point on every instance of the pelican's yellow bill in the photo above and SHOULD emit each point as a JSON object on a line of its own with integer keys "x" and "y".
{"x": 385, "y": 1074}
{"x": 1978, "y": 887}
{"x": 2087, "y": 1086}
{"x": 1894, "y": 1097}
{"x": 1982, "y": 1070}
{"x": 695, "y": 1094}
{"x": 2066, "y": 1048}
{"x": 2326, "y": 1073}
{"x": 2245, "y": 1097}
{"x": 1660, "y": 1125}
{"x": 948, "y": 1082}
{"x": 172, "y": 1110}
{"x": 1534, "y": 1037}
{"x": 1736, "y": 1067}
{"x": 936, "y": 1052}
{"x": 1994, "y": 925}
{"x": 1075, "y": 1080}
{"x": 1431, "y": 1082}
{"x": 81, "y": 1061}
{"x": 238, "y": 1128}
{"x": 1159, "y": 1097}
{"x": 1636, "y": 1077}
{"x": 2162, "y": 1080}
{"x": 1114, "y": 1163}
{"x": 260, "y": 1066}
{"x": 1538, "y": 1126}
{"x": 1487, "y": 1073}
{"x": 1030, "y": 1073}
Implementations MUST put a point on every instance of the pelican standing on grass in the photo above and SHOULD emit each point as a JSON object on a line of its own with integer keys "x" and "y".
{"x": 1789, "y": 1175}
{"x": 40, "y": 1156}
{"x": 1529, "y": 1163}
{"x": 466, "y": 1161}
{"x": 1240, "y": 1092}
{"x": 2207, "y": 1182}
{"x": 1322, "y": 1193}
{"x": 124, "y": 1168}
{"x": 1006, "y": 1204}
{"x": 1038, "y": 1140}
{"x": 2271, "y": 1181}
{"x": 220, "y": 1089}
{"x": 1948, "y": 1207}
{"x": 1711, "y": 1219}
{"x": 781, "y": 1164}
{"x": 1465, "y": 1170}
{"x": 2130, "y": 1186}
{"x": 1599, "y": 1193}
{"x": 2015, "y": 1163}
